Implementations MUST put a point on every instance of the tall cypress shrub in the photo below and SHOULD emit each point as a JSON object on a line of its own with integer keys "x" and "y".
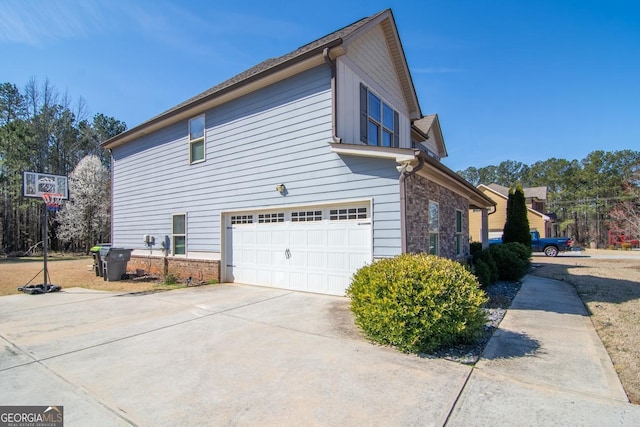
{"x": 516, "y": 229}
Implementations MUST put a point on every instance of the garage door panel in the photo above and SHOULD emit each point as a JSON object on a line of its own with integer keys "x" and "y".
{"x": 263, "y": 237}
{"x": 298, "y": 260}
{"x": 359, "y": 237}
{"x": 316, "y": 260}
{"x": 336, "y": 285}
{"x": 358, "y": 260}
{"x": 336, "y": 237}
{"x": 263, "y": 258}
{"x": 337, "y": 261}
{"x": 316, "y": 238}
{"x": 318, "y": 255}
{"x": 298, "y": 237}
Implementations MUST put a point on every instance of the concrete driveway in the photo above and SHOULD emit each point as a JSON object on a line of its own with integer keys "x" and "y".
{"x": 215, "y": 355}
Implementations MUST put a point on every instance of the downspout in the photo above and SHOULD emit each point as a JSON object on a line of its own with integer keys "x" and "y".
{"x": 111, "y": 181}
{"x": 403, "y": 202}
{"x": 334, "y": 99}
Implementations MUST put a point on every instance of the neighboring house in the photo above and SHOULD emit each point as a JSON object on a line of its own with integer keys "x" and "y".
{"x": 294, "y": 173}
{"x": 535, "y": 199}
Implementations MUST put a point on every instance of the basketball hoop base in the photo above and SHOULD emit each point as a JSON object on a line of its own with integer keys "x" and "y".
{"x": 39, "y": 289}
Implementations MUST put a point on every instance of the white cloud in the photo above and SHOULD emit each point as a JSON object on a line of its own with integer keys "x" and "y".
{"x": 37, "y": 23}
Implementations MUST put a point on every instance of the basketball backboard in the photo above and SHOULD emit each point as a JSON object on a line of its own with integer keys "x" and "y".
{"x": 36, "y": 183}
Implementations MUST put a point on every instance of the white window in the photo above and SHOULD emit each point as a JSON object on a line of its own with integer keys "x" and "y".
{"x": 270, "y": 217}
{"x": 306, "y": 216}
{"x": 434, "y": 228}
{"x": 179, "y": 234}
{"x": 241, "y": 219}
{"x": 459, "y": 238}
{"x": 379, "y": 123}
{"x": 196, "y": 140}
{"x": 347, "y": 214}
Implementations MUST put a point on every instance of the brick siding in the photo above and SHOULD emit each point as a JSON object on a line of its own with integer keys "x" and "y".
{"x": 197, "y": 269}
{"x": 419, "y": 191}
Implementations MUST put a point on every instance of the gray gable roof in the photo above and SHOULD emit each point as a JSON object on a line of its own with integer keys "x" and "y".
{"x": 269, "y": 65}
{"x": 532, "y": 192}
{"x": 424, "y": 124}
{"x": 254, "y": 73}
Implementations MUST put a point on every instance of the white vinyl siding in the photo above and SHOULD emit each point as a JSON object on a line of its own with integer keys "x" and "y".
{"x": 279, "y": 134}
{"x": 349, "y": 102}
{"x": 370, "y": 53}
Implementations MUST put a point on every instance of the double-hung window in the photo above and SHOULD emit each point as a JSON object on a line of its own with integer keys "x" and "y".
{"x": 434, "y": 228}
{"x": 379, "y": 123}
{"x": 179, "y": 234}
{"x": 459, "y": 245}
{"x": 196, "y": 140}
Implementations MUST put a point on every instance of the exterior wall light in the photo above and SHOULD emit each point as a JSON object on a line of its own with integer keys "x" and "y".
{"x": 280, "y": 188}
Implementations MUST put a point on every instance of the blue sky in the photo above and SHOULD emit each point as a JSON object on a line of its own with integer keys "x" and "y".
{"x": 510, "y": 80}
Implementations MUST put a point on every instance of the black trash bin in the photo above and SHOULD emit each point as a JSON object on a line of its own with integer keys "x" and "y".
{"x": 115, "y": 263}
{"x": 97, "y": 252}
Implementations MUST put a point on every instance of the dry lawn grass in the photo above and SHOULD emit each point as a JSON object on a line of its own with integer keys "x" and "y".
{"x": 610, "y": 288}
{"x": 66, "y": 271}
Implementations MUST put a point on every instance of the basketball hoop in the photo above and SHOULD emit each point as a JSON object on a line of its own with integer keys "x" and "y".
{"x": 52, "y": 200}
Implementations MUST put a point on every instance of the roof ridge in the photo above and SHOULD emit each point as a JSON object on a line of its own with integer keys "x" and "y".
{"x": 271, "y": 63}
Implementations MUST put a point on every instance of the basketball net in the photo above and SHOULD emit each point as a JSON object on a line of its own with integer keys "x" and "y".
{"x": 52, "y": 200}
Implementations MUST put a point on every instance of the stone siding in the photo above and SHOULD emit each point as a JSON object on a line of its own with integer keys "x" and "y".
{"x": 419, "y": 191}
{"x": 202, "y": 270}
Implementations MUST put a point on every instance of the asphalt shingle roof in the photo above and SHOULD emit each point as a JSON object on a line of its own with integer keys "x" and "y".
{"x": 271, "y": 64}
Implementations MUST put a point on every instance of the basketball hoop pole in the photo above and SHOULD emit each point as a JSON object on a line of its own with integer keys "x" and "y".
{"x": 45, "y": 231}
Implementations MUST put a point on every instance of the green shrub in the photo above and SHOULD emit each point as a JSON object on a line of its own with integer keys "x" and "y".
{"x": 511, "y": 266}
{"x": 475, "y": 249}
{"x": 170, "y": 279}
{"x": 483, "y": 273}
{"x": 417, "y": 302}
{"x": 523, "y": 252}
{"x": 485, "y": 256}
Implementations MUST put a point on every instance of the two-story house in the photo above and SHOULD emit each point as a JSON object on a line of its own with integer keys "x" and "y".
{"x": 294, "y": 173}
{"x": 535, "y": 200}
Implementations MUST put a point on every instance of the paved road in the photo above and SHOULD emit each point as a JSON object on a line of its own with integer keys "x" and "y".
{"x": 241, "y": 355}
{"x": 596, "y": 254}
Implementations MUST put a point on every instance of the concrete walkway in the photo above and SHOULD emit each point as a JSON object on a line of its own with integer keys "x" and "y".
{"x": 545, "y": 366}
{"x": 241, "y": 355}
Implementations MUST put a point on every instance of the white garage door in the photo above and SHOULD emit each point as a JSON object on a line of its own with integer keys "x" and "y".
{"x": 310, "y": 249}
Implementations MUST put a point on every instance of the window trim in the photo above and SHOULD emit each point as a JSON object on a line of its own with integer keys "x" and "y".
{"x": 174, "y": 235}
{"x": 459, "y": 234}
{"x": 434, "y": 232}
{"x": 202, "y": 139}
{"x": 366, "y": 119}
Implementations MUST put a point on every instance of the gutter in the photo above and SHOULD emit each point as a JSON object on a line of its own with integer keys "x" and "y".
{"x": 403, "y": 201}
{"x": 334, "y": 99}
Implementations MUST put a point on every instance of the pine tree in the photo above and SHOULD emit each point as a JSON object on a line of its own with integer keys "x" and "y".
{"x": 516, "y": 229}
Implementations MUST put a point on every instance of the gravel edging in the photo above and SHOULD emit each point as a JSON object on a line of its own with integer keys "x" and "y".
{"x": 500, "y": 295}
